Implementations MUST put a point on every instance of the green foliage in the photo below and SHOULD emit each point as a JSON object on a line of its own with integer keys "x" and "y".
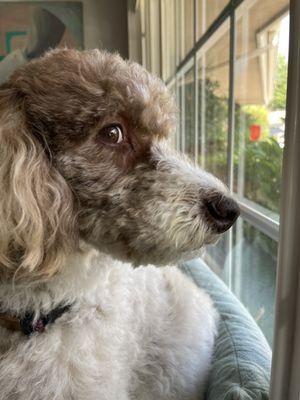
{"x": 263, "y": 172}
{"x": 256, "y": 164}
{"x": 189, "y": 120}
{"x": 261, "y": 160}
{"x": 216, "y": 128}
{"x": 279, "y": 100}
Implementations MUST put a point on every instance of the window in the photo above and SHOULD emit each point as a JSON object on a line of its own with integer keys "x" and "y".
{"x": 208, "y": 11}
{"x": 213, "y": 89}
{"x": 168, "y": 38}
{"x": 188, "y": 113}
{"x": 185, "y": 17}
{"x": 253, "y": 275}
{"x": 227, "y": 63}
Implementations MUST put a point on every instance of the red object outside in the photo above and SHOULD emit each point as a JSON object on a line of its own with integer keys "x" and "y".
{"x": 255, "y": 133}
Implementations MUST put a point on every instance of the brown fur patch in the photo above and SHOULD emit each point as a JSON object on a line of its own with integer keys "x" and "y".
{"x": 50, "y": 111}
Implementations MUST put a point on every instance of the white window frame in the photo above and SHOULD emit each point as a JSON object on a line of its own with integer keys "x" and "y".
{"x": 285, "y": 379}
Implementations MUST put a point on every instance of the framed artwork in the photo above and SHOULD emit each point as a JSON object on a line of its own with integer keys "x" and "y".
{"x": 29, "y": 29}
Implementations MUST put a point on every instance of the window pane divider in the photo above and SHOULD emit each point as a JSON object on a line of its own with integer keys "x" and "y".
{"x": 196, "y": 94}
{"x": 231, "y": 106}
{"x": 210, "y": 31}
{"x": 255, "y": 215}
{"x": 230, "y": 137}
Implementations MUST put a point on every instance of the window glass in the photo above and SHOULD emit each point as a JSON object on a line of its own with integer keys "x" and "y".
{"x": 168, "y": 38}
{"x": 249, "y": 269}
{"x": 180, "y": 104}
{"x": 213, "y": 92}
{"x": 188, "y": 25}
{"x": 189, "y": 113}
{"x": 185, "y": 30}
{"x": 207, "y": 12}
{"x": 254, "y": 260}
{"x": 154, "y": 36}
{"x": 245, "y": 257}
{"x": 217, "y": 258}
{"x": 144, "y": 43}
{"x": 174, "y": 138}
{"x": 260, "y": 96}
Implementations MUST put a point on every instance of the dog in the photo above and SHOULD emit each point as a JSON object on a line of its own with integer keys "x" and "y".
{"x": 93, "y": 200}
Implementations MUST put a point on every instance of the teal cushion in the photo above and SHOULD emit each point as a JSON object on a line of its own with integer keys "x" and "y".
{"x": 242, "y": 357}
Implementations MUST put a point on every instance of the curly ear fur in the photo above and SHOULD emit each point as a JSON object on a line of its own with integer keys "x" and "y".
{"x": 36, "y": 204}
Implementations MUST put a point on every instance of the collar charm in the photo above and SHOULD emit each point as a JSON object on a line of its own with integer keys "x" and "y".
{"x": 28, "y": 324}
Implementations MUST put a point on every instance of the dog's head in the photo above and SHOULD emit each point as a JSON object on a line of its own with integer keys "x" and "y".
{"x": 84, "y": 157}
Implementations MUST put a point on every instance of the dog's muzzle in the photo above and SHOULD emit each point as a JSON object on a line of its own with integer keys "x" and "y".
{"x": 222, "y": 212}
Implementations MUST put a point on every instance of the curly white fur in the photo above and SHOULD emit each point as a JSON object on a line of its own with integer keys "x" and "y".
{"x": 141, "y": 334}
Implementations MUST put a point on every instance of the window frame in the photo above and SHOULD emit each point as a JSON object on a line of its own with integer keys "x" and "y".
{"x": 255, "y": 216}
{"x": 285, "y": 383}
{"x": 286, "y": 346}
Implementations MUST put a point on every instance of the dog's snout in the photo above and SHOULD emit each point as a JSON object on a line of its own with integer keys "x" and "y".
{"x": 223, "y": 211}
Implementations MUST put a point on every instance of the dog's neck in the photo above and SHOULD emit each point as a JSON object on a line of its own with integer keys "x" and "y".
{"x": 78, "y": 279}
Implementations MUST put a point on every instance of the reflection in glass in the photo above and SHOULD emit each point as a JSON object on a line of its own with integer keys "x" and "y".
{"x": 185, "y": 30}
{"x": 168, "y": 38}
{"x": 217, "y": 258}
{"x": 213, "y": 92}
{"x": 208, "y": 11}
{"x": 245, "y": 258}
{"x": 189, "y": 112}
{"x": 174, "y": 138}
{"x": 254, "y": 257}
{"x": 249, "y": 269}
{"x": 180, "y": 104}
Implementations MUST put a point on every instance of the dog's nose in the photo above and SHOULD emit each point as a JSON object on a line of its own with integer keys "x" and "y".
{"x": 223, "y": 211}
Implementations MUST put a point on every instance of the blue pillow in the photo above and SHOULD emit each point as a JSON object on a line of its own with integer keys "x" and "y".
{"x": 241, "y": 364}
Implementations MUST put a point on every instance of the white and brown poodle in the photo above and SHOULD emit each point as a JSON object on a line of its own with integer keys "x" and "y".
{"x": 91, "y": 196}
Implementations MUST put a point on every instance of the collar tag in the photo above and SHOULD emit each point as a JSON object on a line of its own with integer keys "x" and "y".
{"x": 28, "y": 325}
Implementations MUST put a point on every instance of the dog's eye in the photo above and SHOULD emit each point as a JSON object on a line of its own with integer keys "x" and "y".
{"x": 111, "y": 134}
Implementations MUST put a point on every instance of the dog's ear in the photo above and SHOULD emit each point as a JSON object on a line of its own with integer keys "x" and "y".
{"x": 36, "y": 205}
